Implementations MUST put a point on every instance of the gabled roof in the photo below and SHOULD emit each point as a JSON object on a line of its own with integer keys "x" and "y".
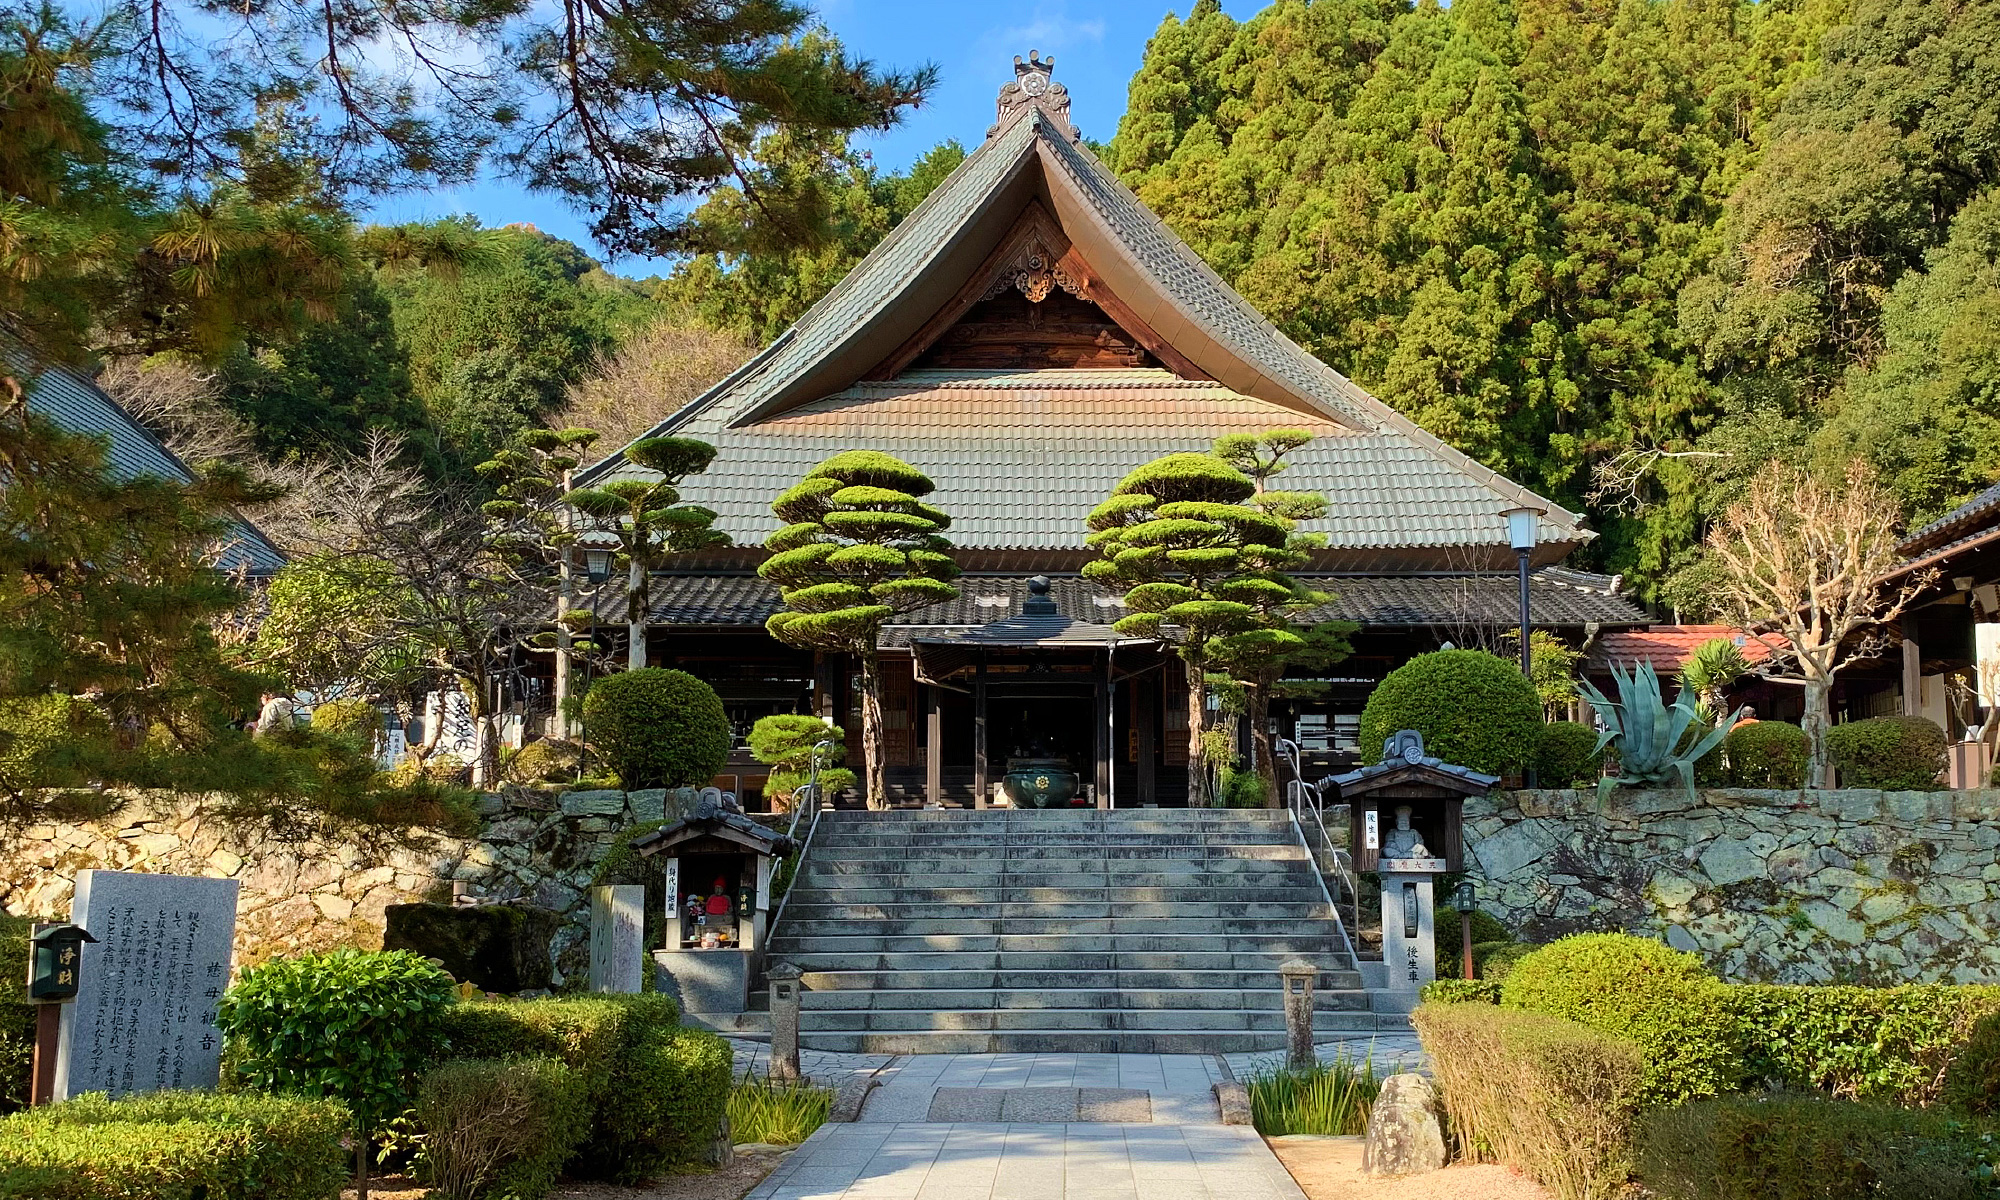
{"x": 1975, "y": 516}
{"x": 1668, "y": 647}
{"x": 1010, "y": 485}
{"x": 81, "y": 407}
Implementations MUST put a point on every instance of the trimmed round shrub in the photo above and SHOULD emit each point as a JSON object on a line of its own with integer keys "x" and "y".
{"x": 657, "y": 728}
{"x": 1474, "y": 709}
{"x": 1902, "y": 754}
{"x": 1566, "y": 755}
{"x": 1972, "y": 1081}
{"x": 1766, "y": 754}
{"x": 1658, "y": 997}
{"x": 1495, "y": 960}
{"x": 550, "y": 760}
{"x": 786, "y": 741}
{"x": 354, "y": 719}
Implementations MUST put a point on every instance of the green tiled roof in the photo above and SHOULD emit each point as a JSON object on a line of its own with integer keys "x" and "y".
{"x": 1015, "y": 479}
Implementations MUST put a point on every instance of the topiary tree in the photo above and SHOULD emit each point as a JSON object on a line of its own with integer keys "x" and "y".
{"x": 1474, "y": 709}
{"x": 1197, "y": 564}
{"x": 859, "y": 546}
{"x": 1899, "y": 753}
{"x": 657, "y": 728}
{"x": 1636, "y": 988}
{"x": 353, "y": 1026}
{"x": 650, "y": 523}
{"x": 786, "y": 742}
{"x": 1766, "y": 754}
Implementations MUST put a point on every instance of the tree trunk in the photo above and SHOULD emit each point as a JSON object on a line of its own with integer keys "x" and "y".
{"x": 485, "y": 738}
{"x": 874, "y": 783}
{"x": 361, "y": 1166}
{"x": 1818, "y": 719}
{"x": 1263, "y": 754}
{"x": 635, "y": 616}
{"x": 1198, "y": 792}
{"x": 565, "y": 600}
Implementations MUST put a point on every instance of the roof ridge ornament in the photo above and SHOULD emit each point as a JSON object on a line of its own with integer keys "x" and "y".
{"x": 1034, "y": 87}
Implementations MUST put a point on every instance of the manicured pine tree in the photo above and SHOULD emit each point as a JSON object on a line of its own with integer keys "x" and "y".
{"x": 650, "y": 523}
{"x": 1194, "y": 561}
{"x": 859, "y": 546}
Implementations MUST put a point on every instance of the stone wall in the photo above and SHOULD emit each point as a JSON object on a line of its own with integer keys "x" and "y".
{"x": 1779, "y": 886}
{"x": 319, "y": 894}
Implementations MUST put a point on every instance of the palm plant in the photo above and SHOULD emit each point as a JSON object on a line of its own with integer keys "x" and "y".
{"x": 1708, "y": 672}
{"x": 1646, "y": 731}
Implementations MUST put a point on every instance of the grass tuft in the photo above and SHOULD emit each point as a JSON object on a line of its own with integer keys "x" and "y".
{"x": 780, "y": 1113}
{"x": 1332, "y": 1098}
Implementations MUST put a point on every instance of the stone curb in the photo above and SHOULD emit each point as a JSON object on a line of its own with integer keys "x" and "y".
{"x": 1234, "y": 1101}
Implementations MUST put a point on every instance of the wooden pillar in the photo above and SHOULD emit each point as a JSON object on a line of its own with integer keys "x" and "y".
{"x": 933, "y": 746}
{"x": 1913, "y": 674}
{"x": 980, "y": 788}
{"x": 826, "y": 687}
{"x": 1105, "y": 746}
{"x": 1145, "y": 719}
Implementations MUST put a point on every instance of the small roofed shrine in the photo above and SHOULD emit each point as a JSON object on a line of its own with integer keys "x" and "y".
{"x": 1027, "y": 337}
{"x": 1408, "y": 801}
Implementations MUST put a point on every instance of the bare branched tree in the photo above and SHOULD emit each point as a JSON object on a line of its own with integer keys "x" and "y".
{"x": 1618, "y": 483}
{"x": 652, "y": 376}
{"x": 175, "y": 399}
{"x": 1808, "y": 569}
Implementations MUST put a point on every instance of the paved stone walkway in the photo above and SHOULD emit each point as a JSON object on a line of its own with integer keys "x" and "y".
{"x": 897, "y": 1151}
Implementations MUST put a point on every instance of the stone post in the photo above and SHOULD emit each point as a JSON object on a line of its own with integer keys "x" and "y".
{"x": 1409, "y": 923}
{"x": 784, "y": 979}
{"x": 617, "y": 937}
{"x": 1299, "y": 976}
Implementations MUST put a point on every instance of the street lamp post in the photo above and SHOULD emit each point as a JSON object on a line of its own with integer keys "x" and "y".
{"x": 1521, "y": 524}
{"x": 1464, "y": 899}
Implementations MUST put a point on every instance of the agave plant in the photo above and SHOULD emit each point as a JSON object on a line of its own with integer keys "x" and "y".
{"x": 1646, "y": 731}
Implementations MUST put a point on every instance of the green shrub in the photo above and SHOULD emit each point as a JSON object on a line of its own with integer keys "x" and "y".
{"x": 656, "y": 1091}
{"x": 51, "y": 741}
{"x": 1474, "y": 709}
{"x": 1904, "y": 754}
{"x": 355, "y": 719}
{"x": 1327, "y": 1098}
{"x": 499, "y": 1128}
{"x": 783, "y": 1114}
{"x": 347, "y": 1024}
{"x": 17, "y": 1016}
{"x": 175, "y": 1146}
{"x": 1801, "y": 1148}
{"x": 550, "y": 760}
{"x": 1766, "y": 754}
{"x": 658, "y": 728}
{"x": 1972, "y": 1081}
{"x": 1566, "y": 755}
{"x": 1710, "y": 770}
{"x": 785, "y": 741}
{"x": 1889, "y": 1044}
{"x": 1450, "y": 935}
{"x": 1495, "y": 960}
{"x": 1461, "y": 991}
{"x": 1662, "y": 999}
{"x": 1548, "y": 1097}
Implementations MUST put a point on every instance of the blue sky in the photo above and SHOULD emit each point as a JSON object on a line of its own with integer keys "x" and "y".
{"x": 1097, "y": 46}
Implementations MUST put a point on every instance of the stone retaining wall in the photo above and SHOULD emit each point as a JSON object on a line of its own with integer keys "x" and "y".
{"x": 317, "y": 894}
{"x": 1780, "y": 886}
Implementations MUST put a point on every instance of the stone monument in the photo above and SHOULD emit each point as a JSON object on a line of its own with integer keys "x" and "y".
{"x": 1404, "y": 1136}
{"x": 1409, "y": 918}
{"x": 617, "y": 937}
{"x": 144, "y": 1015}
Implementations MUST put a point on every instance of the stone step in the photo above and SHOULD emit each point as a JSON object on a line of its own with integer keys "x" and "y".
{"x": 1087, "y": 1000}
{"x": 1081, "y": 845}
{"x": 1259, "y": 963}
{"x": 960, "y": 978}
{"x": 1321, "y": 941}
{"x": 816, "y": 908}
{"x": 1194, "y": 877}
{"x": 1044, "y": 1041}
{"x": 1293, "y": 892}
{"x": 1059, "y": 858}
{"x": 1163, "y": 927}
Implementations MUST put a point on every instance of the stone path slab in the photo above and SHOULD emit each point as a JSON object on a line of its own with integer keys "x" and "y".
{"x": 1126, "y": 1106}
{"x": 1391, "y": 1054}
{"x": 1000, "y": 1161}
{"x": 1180, "y": 1087}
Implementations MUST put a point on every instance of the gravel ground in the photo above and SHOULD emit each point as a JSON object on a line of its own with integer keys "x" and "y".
{"x": 1329, "y": 1168}
{"x": 753, "y": 1162}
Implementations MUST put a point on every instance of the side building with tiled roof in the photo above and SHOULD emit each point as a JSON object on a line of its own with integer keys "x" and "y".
{"x": 1026, "y": 337}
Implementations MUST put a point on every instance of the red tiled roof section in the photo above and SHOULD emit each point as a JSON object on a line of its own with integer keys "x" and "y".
{"x": 1667, "y": 647}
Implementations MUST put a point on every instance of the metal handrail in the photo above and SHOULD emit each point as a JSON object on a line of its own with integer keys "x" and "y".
{"x": 1299, "y": 790}
{"x": 798, "y": 855}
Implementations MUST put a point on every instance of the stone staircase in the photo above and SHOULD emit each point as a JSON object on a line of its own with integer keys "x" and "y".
{"x": 1138, "y": 931}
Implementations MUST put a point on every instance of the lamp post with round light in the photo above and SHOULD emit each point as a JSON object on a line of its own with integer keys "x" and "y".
{"x": 1521, "y": 527}
{"x": 1463, "y": 898}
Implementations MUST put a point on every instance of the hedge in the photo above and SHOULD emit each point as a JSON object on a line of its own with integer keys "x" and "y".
{"x": 176, "y": 1146}
{"x": 17, "y": 1016}
{"x": 1551, "y": 1098}
{"x": 499, "y": 1129}
{"x": 657, "y": 728}
{"x": 656, "y": 1091}
{"x": 1905, "y": 754}
{"x": 1802, "y": 1148}
{"x": 1766, "y": 754}
{"x": 1890, "y": 1044}
{"x": 1566, "y": 755}
{"x": 1474, "y": 709}
{"x": 1662, "y": 999}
